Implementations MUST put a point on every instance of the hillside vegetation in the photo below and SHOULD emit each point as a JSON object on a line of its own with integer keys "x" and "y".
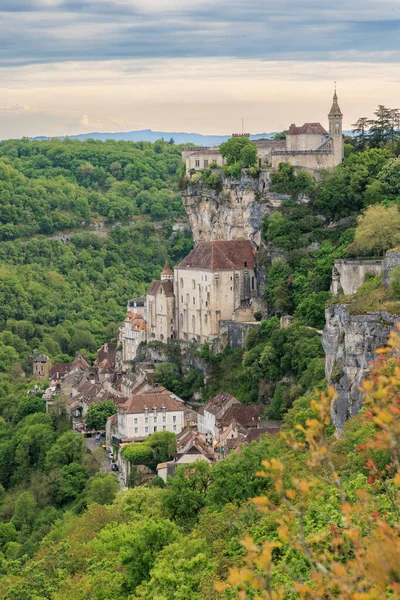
{"x": 330, "y": 518}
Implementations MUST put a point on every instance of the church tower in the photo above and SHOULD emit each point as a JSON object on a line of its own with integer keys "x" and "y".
{"x": 336, "y": 130}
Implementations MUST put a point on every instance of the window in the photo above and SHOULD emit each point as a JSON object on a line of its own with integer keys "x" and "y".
{"x": 181, "y": 282}
{"x": 135, "y": 421}
{"x": 205, "y": 278}
{"x": 252, "y": 283}
{"x": 194, "y": 300}
{"x": 205, "y": 163}
{"x": 174, "y": 428}
{"x": 155, "y": 427}
{"x": 146, "y": 429}
{"x": 187, "y": 298}
{"x": 182, "y": 299}
{"x": 193, "y": 323}
{"x": 197, "y": 162}
{"x": 174, "y": 419}
{"x": 146, "y": 420}
{"x": 245, "y": 263}
{"x": 164, "y": 419}
{"x": 193, "y": 284}
{"x": 205, "y": 319}
{"x": 230, "y": 278}
{"x": 136, "y": 430}
{"x": 164, "y": 428}
{"x": 181, "y": 319}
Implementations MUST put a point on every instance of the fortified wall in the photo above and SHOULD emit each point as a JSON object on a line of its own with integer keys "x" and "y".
{"x": 349, "y": 274}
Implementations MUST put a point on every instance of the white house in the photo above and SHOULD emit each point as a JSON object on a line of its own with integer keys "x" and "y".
{"x": 146, "y": 413}
{"x": 213, "y": 411}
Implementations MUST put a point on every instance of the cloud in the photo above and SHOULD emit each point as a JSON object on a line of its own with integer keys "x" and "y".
{"x": 50, "y": 31}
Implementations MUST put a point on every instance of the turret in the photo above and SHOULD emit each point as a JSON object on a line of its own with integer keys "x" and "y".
{"x": 167, "y": 273}
{"x": 336, "y": 130}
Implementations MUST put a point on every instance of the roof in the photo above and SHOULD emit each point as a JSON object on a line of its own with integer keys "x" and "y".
{"x": 247, "y": 416}
{"x": 196, "y": 443}
{"x": 220, "y": 255}
{"x": 270, "y": 143}
{"x": 42, "y": 358}
{"x": 59, "y": 370}
{"x": 167, "y": 269}
{"x": 335, "y": 110}
{"x": 217, "y": 403}
{"x": 308, "y": 129}
{"x": 157, "y": 287}
{"x": 80, "y": 362}
{"x": 107, "y": 351}
{"x": 138, "y": 404}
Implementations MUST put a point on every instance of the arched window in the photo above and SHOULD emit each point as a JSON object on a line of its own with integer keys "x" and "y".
{"x": 193, "y": 284}
{"x": 187, "y": 298}
{"x": 181, "y": 319}
{"x": 181, "y": 282}
{"x": 205, "y": 319}
{"x": 193, "y": 323}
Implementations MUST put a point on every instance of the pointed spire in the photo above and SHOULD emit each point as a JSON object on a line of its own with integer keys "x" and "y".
{"x": 335, "y": 110}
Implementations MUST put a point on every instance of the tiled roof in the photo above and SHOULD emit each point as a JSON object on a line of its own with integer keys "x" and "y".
{"x": 308, "y": 129}
{"x": 138, "y": 404}
{"x": 216, "y": 404}
{"x": 80, "y": 362}
{"x": 247, "y": 416}
{"x": 59, "y": 370}
{"x": 167, "y": 270}
{"x": 335, "y": 110}
{"x": 220, "y": 255}
{"x": 270, "y": 143}
{"x": 157, "y": 287}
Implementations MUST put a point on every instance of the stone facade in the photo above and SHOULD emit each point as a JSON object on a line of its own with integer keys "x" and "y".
{"x": 160, "y": 308}
{"x": 391, "y": 261}
{"x": 210, "y": 284}
{"x": 41, "y": 367}
{"x": 309, "y": 147}
{"x": 349, "y": 274}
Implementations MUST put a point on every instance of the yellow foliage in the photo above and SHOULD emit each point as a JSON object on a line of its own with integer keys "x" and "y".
{"x": 360, "y": 559}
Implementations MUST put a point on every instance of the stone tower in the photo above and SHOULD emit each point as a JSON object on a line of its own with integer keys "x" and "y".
{"x": 336, "y": 130}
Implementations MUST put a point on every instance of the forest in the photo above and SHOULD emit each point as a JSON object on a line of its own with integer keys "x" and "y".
{"x": 65, "y": 532}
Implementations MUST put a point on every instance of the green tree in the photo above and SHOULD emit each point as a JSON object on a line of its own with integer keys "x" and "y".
{"x": 67, "y": 449}
{"x": 102, "y": 489}
{"x": 239, "y": 150}
{"x": 138, "y": 453}
{"x": 378, "y": 230}
{"x": 97, "y": 414}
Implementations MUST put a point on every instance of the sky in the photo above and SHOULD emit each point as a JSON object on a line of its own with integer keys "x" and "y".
{"x": 78, "y": 66}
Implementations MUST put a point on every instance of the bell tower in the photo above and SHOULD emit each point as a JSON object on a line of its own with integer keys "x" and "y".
{"x": 336, "y": 130}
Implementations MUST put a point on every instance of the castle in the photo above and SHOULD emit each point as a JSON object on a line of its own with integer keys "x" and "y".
{"x": 309, "y": 147}
{"x": 217, "y": 281}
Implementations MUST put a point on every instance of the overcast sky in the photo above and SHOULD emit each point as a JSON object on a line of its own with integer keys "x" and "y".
{"x": 71, "y": 66}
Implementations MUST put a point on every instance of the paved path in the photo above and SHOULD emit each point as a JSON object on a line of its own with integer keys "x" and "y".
{"x": 105, "y": 464}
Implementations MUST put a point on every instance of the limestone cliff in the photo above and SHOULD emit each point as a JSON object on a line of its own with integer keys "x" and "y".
{"x": 233, "y": 213}
{"x": 350, "y": 342}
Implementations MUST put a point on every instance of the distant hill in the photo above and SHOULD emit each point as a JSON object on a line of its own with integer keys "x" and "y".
{"x": 147, "y": 135}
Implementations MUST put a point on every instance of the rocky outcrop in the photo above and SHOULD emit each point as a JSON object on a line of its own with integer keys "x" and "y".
{"x": 350, "y": 342}
{"x": 233, "y": 213}
{"x": 391, "y": 261}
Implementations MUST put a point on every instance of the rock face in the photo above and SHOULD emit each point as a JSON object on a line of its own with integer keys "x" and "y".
{"x": 350, "y": 342}
{"x": 234, "y": 213}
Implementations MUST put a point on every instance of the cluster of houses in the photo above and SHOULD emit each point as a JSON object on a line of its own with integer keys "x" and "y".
{"x": 143, "y": 407}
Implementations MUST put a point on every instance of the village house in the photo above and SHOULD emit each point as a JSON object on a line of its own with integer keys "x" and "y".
{"x": 146, "y": 413}
{"x": 211, "y": 414}
{"x": 309, "y": 146}
{"x": 132, "y": 333}
{"x": 195, "y": 449}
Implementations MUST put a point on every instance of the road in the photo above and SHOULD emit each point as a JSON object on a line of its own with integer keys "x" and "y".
{"x": 105, "y": 464}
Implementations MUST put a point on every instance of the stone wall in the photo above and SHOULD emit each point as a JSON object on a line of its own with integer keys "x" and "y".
{"x": 236, "y": 333}
{"x": 350, "y": 342}
{"x": 348, "y": 275}
{"x": 391, "y": 260}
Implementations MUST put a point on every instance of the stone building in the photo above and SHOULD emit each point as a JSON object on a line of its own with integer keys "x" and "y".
{"x": 215, "y": 282}
{"x": 211, "y": 284}
{"x": 132, "y": 333}
{"x": 160, "y": 307}
{"x": 309, "y": 146}
{"x": 41, "y": 367}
